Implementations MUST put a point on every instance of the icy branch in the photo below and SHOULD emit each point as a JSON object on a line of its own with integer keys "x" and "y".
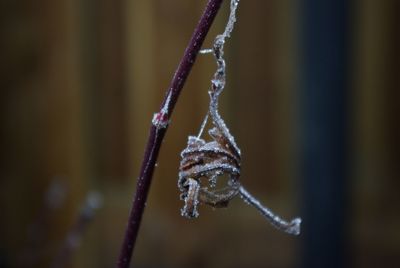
{"x": 218, "y": 81}
{"x": 292, "y": 227}
{"x": 158, "y": 129}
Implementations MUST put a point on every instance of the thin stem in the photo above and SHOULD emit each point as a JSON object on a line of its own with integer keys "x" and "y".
{"x": 292, "y": 227}
{"x": 219, "y": 80}
{"x": 158, "y": 128}
{"x": 203, "y": 125}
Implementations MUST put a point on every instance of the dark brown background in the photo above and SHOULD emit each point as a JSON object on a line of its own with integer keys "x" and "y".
{"x": 80, "y": 81}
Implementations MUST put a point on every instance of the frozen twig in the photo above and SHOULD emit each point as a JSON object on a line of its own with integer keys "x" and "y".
{"x": 219, "y": 80}
{"x": 218, "y": 83}
{"x": 206, "y": 51}
{"x": 203, "y": 125}
{"x": 292, "y": 227}
{"x": 191, "y": 199}
{"x": 158, "y": 129}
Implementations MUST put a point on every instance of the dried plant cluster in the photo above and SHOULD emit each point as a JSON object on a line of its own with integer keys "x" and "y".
{"x": 209, "y": 160}
{"x": 204, "y": 162}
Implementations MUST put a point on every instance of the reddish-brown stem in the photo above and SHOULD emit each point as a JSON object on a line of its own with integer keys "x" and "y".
{"x": 159, "y": 127}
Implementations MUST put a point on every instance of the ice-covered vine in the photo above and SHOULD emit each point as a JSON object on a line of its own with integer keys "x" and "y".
{"x": 221, "y": 156}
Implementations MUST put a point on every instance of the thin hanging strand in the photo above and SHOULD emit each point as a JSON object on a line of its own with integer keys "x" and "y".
{"x": 219, "y": 50}
{"x": 218, "y": 84}
{"x": 203, "y": 125}
{"x": 292, "y": 227}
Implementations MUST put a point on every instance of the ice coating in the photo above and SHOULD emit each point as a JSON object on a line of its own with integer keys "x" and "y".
{"x": 209, "y": 160}
{"x": 292, "y": 227}
{"x": 219, "y": 79}
{"x": 191, "y": 199}
{"x": 221, "y": 156}
{"x": 161, "y": 119}
{"x": 203, "y": 160}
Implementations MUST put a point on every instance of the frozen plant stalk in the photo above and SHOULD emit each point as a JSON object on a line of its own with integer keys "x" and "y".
{"x": 203, "y": 160}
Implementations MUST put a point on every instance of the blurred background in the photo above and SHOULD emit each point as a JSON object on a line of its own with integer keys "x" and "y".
{"x": 312, "y": 99}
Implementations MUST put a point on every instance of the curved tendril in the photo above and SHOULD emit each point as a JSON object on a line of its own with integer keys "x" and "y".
{"x": 198, "y": 160}
{"x": 292, "y": 227}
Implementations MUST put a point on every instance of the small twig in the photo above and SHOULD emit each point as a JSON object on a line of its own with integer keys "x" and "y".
{"x": 158, "y": 128}
{"x": 292, "y": 227}
{"x": 203, "y": 125}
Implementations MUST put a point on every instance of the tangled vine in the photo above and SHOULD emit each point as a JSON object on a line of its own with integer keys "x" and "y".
{"x": 203, "y": 160}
